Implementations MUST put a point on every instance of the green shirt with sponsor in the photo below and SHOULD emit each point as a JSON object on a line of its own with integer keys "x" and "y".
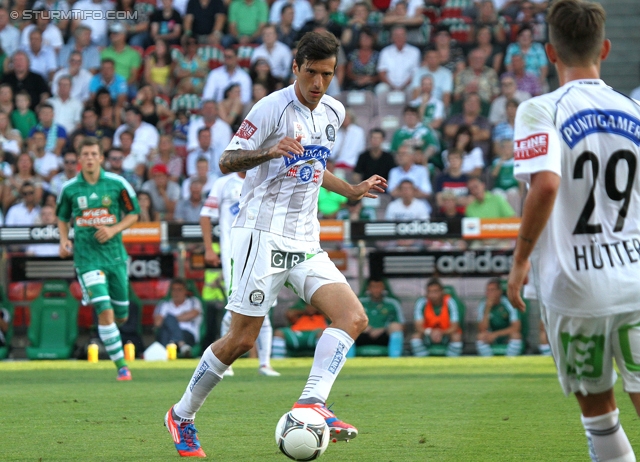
{"x": 87, "y": 206}
{"x": 382, "y": 313}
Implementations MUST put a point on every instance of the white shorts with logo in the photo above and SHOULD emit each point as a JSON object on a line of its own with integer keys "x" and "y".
{"x": 584, "y": 349}
{"x": 262, "y": 263}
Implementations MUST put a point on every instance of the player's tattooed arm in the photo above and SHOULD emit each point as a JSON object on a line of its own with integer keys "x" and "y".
{"x": 241, "y": 160}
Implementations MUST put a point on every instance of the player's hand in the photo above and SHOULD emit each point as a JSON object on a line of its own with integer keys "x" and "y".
{"x": 211, "y": 257}
{"x": 66, "y": 249}
{"x": 375, "y": 183}
{"x": 517, "y": 278}
{"x": 104, "y": 233}
{"x": 287, "y": 147}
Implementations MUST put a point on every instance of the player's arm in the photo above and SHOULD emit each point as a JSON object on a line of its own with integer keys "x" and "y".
{"x": 66, "y": 248}
{"x": 210, "y": 256}
{"x": 332, "y": 183}
{"x": 513, "y": 328}
{"x": 191, "y": 314}
{"x": 241, "y": 160}
{"x": 129, "y": 203}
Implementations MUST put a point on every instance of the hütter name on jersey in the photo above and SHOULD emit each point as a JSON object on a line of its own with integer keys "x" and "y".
{"x": 619, "y": 253}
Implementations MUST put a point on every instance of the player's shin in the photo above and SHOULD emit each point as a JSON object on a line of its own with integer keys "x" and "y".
{"x": 110, "y": 336}
{"x": 263, "y": 343}
{"x": 606, "y": 438}
{"x": 330, "y": 356}
{"x": 206, "y": 376}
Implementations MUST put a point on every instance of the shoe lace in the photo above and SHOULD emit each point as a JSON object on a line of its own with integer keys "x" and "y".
{"x": 188, "y": 432}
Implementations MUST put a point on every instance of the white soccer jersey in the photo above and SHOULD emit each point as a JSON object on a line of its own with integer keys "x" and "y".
{"x": 589, "y": 252}
{"x": 281, "y": 196}
{"x": 223, "y": 205}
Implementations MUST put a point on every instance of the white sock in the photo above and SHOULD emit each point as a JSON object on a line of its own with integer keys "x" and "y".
{"x": 483, "y": 349}
{"x": 454, "y": 349}
{"x": 206, "y": 376}
{"x": 226, "y": 323}
{"x": 110, "y": 336}
{"x": 545, "y": 349}
{"x": 606, "y": 438}
{"x": 418, "y": 348}
{"x": 263, "y": 343}
{"x": 279, "y": 348}
{"x": 330, "y": 356}
{"x": 514, "y": 347}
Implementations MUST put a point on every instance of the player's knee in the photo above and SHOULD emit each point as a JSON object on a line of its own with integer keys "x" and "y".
{"x": 456, "y": 337}
{"x": 121, "y": 321}
{"x": 360, "y": 321}
{"x": 278, "y": 333}
{"x": 515, "y": 336}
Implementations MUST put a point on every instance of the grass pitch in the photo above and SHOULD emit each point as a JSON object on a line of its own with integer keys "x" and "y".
{"x": 431, "y": 409}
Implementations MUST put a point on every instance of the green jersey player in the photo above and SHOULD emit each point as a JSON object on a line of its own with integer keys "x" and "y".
{"x": 100, "y": 206}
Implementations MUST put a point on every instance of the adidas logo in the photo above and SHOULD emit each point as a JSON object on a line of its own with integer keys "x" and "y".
{"x": 93, "y": 196}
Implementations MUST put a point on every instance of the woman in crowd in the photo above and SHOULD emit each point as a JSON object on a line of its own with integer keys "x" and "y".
{"x": 230, "y": 108}
{"x": 158, "y": 68}
{"x": 494, "y": 54}
{"x": 165, "y": 154}
{"x": 535, "y": 58}
{"x": 472, "y": 157}
{"x": 260, "y": 72}
{"x": 152, "y": 112}
{"x": 147, "y": 213}
{"x": 10, "y": 138}
{"x": 190, "y": 69}
{"x": 24, "y": 171}
{"x": 363, "y": 61}
{"x": 108, "y": 115}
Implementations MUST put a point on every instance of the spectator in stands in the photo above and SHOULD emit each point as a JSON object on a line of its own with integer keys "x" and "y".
{"x": 407, "y": 206}
{"x": 359, "y": 19}
{"x": 220, "y": 78}
{"x": 80, "y": 78}
{"x": 487, "y": 17}
{"x": 471, "y": 117}
{"x": 485, "y": 204}
{"x": 498, "y": 322}
{"x": 202, "y": 175}
{"x": 191, "y": 70}
{"x": 94, "y": 21}
{"x": 5, "y": 323}
{"x": 179, "y": 318}
{"x": 260, "y": 72}
{"x": 188, "y": 210}
{"x": 180, "y": 127}
{"x": 23, "y": 118}
{"x": 147, "y": 213}
{"x": 51, "y": 34}
{"x": 284, "y": 28}
{"x": 374, "y": 161}
{"x": 436, "y": 320}
{"x": 145, "y": 135}
{"x": 47, "y": 217}
{"x": 451, "y": 55}
{"x": 164, "y": 193}
{"x": 25, "y": 173}
{"x": 448, "y": 208}
{"x": 6, "y": 98}
{"x": 21, "y": 78}
{"x": 80, "y": 43}
{"x": 89, "y": 127}
{"x": 505, "y": 129}
{"x": 136, "y": 21}
{"x": 9, "y": 35}
{"x": 355, "y": 211}
{"x": 56, "y": 135}
{"x": 69, "y": 171}
{"x": 42, "y": 59}
{"x": 115, "y": 160}
{"x": 246, "y": 20}
{"x": 301, "y": 12}
{"x": 306, "y": 325}
{"x": 509, "y": 91}
{"x": 205, "y": 21}
{"x": 493, "y": 53}
{"x": 66, "y": 109}
{"x": 442, "y": 77}
{"x": 231, "y": 109}
{"x": 25, "y": 212}
{"x": 107, "y": 78}
{"x": 418, "y": 175}
{"x": 362, "y": 73}
{"x": 45, "y": 162}
{"x": 472, "y": 157}
{"x": 504, "y": 182}
{"x": 127, "y": 60}
{"x": 221, "y": 133}
{"x": 398, "y": 62}
{"x": 453, "y": 180}
{"x": 204, "y": 151}
{"x": 153, "y": 113}
{"x": 535, "y": 58}
{"x": 431, "y": 111}
{"x": 166, "y": 24}
{"x": 10, "y": 138}
{"x": 158, "y": 68}
{"x": 320, "y": 19}
{"x": 532, "y": 14}
{"x": 259, "y": 92}
{"x": 477, "y": 78}
{"x": 416, "y": 134}
{"x": 277, "y": 54}
{"x": 351, "y": 141}
{"x": 386, "y": 321}
{"x": 166, "y": 155}
{"x": 525, "y": 81}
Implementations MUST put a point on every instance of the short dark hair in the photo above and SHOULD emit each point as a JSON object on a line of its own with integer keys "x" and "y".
{"x": 464, "y": 129}
{"x": 434, "y": 282}
{"x": 91, "y": 141}
{"x": 378, "y": 130}
{"x": 285, "y": 7}
{"x": 202, "y": 159}
{"x": 134, "y": 109}
{"x": 410, "y": 109}
{"x": 180, "y": 281}
{"x": 316, "y": 46}
{"x": 44, "y": 106}
{"x": 108, "y": 60}
{"x": 576, "y": 31}
{"x": 203, "y": 129}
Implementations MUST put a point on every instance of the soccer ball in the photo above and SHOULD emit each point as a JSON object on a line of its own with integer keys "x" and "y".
{"x": 302, "y": 434}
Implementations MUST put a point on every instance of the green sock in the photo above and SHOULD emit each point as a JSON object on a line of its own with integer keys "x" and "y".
{"x": 110, "y": 336}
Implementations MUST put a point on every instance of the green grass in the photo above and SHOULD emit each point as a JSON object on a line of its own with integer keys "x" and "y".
{"x": 433, "y": 409}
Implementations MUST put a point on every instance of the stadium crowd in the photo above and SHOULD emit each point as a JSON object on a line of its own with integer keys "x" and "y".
{"x": 431, "y": 88}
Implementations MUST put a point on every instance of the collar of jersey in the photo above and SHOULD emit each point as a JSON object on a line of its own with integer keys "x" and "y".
{"x": 81, "y": 176}
{"x": 597, "y": 82}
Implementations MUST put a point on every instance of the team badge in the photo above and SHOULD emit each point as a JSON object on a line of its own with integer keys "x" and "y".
{"x": 256, "y": 298}
{"x": 82, "y": 202}
{"x": 305, "y": 174}
{"x": 106, "y": 200}
{"x": 330, "y": 132}
{"x": 246, "y": 130}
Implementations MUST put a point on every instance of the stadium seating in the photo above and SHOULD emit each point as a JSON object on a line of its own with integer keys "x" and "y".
{"x": 6, "y": 304}
{"x": 53, "y": 329}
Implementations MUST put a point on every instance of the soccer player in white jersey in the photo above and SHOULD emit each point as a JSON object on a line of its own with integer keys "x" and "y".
{"x": 578, "y": 148}
{"x": 283, "y": 145}
{"x": 222, "y": 205}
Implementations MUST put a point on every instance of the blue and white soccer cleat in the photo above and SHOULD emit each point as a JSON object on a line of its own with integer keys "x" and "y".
{"x": 340, "y": 431}
{"x": 184, "y": 436}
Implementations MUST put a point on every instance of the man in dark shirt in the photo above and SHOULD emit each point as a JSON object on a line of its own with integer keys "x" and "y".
{"x": 205, "y": 20}
{"x": 320, "y": 19}
{"x": 89, "y": 127}
{"x": 374, "y": 161}
{"x": 21, "y": 78}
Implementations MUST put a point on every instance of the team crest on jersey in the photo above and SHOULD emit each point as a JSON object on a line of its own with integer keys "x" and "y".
{"x": 82, "y": 202}
{"x": 256, "y": 298}
{"x": 106, "y": 200}
{"x": 305, "y": 174}
{"x": 330, "y": 132}
{"x": 246, "y": 130}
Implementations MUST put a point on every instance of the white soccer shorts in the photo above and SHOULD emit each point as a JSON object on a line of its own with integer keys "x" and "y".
{"x": 262, "y": 263}
{"x": 584, "y": 349}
